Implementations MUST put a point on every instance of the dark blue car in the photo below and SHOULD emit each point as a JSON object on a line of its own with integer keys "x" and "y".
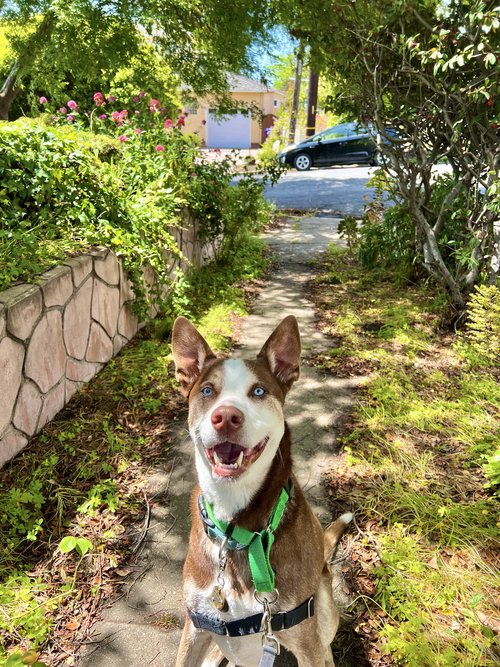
{"x": 348, "y": 143}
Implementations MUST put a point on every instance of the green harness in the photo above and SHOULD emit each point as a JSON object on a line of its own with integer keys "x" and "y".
{"x": 258, "y": 544}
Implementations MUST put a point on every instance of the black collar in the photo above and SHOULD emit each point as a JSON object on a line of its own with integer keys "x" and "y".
{"x": 253, "y": 624}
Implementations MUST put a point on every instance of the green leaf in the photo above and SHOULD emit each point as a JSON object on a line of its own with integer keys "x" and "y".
{"x": 83, "y": 546}
{"x": 475, "y": 600}
{"x": 490, "y": 59}
{"x": 67, "y": 544}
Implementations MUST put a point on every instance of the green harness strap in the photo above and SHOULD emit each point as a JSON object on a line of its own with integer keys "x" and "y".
{"x": 258, "y": 543}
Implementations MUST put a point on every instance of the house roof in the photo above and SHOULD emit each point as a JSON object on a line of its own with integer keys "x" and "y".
{"x": 242, "y": 84}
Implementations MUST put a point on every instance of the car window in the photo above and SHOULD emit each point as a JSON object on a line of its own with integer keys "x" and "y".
{"x": 352, "y": 128}
{"x": 334, "y": 133}
{"x": 358, "y": 129}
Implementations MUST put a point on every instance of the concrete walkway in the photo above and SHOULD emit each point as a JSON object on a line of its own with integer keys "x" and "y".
{"x": 141, "y": 627}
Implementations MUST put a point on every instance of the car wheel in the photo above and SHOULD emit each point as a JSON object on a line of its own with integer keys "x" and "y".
{"x": 377, "y": 160}
{"x": 302, "y": 162}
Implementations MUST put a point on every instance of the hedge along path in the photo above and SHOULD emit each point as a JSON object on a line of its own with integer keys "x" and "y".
{"x": 142, "y": 627}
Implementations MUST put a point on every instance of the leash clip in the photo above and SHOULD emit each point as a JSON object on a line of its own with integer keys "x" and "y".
{"x": 268, "y": 638}
{"x": 218, "y": 597}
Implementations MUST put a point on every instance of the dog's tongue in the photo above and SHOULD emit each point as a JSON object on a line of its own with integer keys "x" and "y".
{"x": 228, "y": 452}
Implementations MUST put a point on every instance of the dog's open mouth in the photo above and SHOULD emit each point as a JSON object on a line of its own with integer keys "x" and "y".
{"x": 230, "y": 460}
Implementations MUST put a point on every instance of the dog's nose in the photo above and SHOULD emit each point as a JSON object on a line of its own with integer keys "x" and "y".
{"x": 227, "y": 417}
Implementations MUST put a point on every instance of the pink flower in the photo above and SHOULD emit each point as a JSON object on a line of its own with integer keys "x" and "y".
{"x": 123, "y": 138}
{"x": 111, "y": 98}
{"x": 181, "y": 121}
{"x": 98, "y": 99}
{"x": 102, "y": 116}
{"x": 159, "y": 148}
{"x": 63, "y": 110}
{"x": 137, "y": 112}
{"x": 69, "y": 118}
{"x": 142, "y": 94}
{"x": 43, "y": 100}
{"x": 120, "y": 117}
{"x": 168, "y": 123}
{"x": 154, "y": 105}
{"x": 135, "y": 99}
{"x": 72, "y": 105}
{"x": 138, "y": 130}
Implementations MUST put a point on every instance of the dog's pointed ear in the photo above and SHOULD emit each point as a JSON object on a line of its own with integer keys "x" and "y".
{"x": 282, "y": 352}
{"x": 191, "y": 352}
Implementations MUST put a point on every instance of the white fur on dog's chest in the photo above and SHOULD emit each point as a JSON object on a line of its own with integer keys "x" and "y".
{"x": 243, "y": 651}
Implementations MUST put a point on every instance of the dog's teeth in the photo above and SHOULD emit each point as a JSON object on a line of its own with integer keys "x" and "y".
{"x": 232, "y": 466}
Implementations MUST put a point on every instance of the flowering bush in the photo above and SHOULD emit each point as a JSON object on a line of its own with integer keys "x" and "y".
{"x": 58, "y": 193}
{"x": 142, "y": 115}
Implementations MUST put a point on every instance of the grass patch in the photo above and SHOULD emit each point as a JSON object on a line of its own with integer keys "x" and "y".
{"x": 414, "y": 470}
{"x": 71, "y": 504}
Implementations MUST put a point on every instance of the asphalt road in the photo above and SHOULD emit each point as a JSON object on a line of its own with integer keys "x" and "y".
{"x": 335, "y": 190}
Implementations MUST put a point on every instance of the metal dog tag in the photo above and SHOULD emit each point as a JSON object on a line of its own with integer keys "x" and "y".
{"x": 219, "y": 599}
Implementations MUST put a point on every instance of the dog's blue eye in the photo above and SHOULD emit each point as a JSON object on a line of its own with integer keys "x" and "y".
{"x": 207, "y": 391}
{"x": 259, "y": 391}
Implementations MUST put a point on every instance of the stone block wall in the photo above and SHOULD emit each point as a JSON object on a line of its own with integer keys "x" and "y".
{"x": 56, "y": 335}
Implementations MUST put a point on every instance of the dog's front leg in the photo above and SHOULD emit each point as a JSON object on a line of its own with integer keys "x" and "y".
{"x": 193, "y": 647}
{"x": 329, "y": 661}
{"x": 309, "y": 651}
{"x": 315, "y": 659}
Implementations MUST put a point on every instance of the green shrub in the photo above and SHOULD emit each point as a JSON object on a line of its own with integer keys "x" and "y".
{"x": 267, "y": 157}
{"x": 483, "y": 322}
{"x": 348, "y": 230}
{"x": 388, "y": 242}
{"x": 390, "y": 236}
{"x": 63, "y": 190}
{"x": 58, "y": 197}
{"x": 53, "y": 191}
{"x": 491, "y": 471}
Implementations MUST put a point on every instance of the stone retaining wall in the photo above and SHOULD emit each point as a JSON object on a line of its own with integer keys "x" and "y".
{"x": 57, "y": 335}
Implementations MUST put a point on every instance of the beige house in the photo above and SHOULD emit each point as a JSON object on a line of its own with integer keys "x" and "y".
{"x": 241, "y": 129}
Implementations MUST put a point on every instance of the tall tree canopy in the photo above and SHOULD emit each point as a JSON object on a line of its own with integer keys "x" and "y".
{"x": 200, "y": 41}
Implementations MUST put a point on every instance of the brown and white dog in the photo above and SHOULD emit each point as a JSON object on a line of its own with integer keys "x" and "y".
{"x": 243, "y": 461}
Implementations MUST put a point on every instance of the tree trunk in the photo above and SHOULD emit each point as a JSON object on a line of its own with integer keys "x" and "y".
{"x": 433, "y": 260}
{"x": 8, "y": 92}
{"x": 10, "y": 87}
{"x": 296, "y": 95}
{"x": 312, "y": 103}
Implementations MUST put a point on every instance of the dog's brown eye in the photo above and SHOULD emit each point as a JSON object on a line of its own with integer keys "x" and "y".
{"x": 207, "y": 391}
